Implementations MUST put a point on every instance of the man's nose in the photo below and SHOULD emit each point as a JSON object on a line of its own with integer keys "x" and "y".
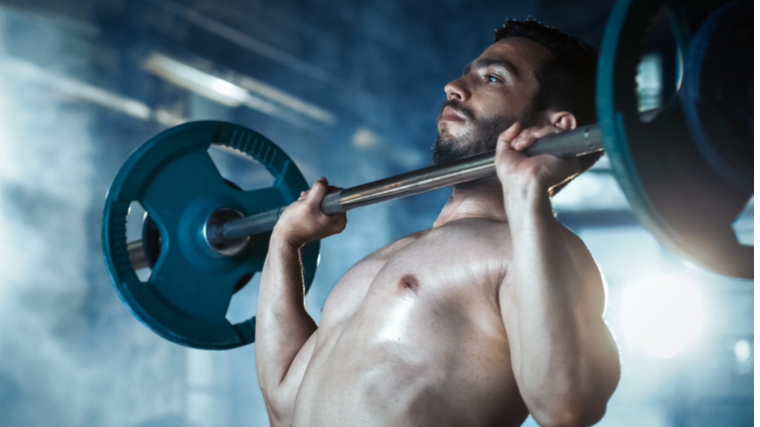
{"x": 456, "y": 89}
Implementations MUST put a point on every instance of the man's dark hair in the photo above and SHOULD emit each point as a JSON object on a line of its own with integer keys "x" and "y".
{"x": 567, "y": 80}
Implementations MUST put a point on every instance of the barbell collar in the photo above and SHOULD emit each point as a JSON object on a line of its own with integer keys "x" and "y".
{"x": 249, "y": 225}
{"x": 227, "y": 246}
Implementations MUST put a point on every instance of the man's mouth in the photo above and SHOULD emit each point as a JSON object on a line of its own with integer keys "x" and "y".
{"x": 450, "y": 114}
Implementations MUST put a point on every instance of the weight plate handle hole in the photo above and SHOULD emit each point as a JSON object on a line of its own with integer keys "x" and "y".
{"x": 240, "y": 170}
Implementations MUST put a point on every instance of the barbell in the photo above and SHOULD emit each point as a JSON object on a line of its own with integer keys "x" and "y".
{"x": 686, "y": 170}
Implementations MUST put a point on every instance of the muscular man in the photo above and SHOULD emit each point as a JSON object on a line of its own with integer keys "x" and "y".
{"x": 493, "y": 313}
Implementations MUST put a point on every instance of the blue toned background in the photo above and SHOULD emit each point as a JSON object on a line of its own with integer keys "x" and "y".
{"x": 350, "y": 90}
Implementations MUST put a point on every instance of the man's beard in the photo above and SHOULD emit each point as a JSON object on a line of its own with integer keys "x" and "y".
{"x": 482, "y": 138}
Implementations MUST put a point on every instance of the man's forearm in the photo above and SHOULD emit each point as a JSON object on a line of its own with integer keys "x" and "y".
{"x": 282, "y": 323}
{"x": 564, "y": 358}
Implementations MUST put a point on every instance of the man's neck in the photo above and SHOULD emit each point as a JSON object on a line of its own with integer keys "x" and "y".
{"x": 484, "y": 200}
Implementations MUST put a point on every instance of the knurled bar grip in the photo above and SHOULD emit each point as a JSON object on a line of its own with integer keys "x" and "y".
{"x": 579, "y": 141}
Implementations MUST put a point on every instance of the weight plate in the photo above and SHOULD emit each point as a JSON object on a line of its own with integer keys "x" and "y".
{"x": 186, "y": 297}
{"x": 672, "y": 191}
{"x": 718, "y": 95}
{"x": 151, "y": 243}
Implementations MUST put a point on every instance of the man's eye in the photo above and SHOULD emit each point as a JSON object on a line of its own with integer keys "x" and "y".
{"x": 492, "y": 79}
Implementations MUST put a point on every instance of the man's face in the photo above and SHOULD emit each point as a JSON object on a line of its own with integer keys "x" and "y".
{"x": 495, "y": 90}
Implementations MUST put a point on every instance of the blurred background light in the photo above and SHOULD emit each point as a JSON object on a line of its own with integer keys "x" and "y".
{"x": 662, "y": 315}
{"x": 744, "y": 225}
{"x": 743, "y": 351}
{"x": 196, "y": 80}
{"x": 649, "y": 81}
{"x": 233, "y": 90}
{"x": 75, "y": 88}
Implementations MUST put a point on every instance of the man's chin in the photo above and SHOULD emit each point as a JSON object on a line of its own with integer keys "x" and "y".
{"x": 454, "y": 129}
{"x": 447, "y": 150}
{"x": 453, "y": 136}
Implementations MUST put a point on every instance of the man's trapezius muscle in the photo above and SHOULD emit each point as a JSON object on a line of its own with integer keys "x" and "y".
{"x": 493, "y": 313}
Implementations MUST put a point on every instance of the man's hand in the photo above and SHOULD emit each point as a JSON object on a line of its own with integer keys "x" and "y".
{"x": 303, "y": 222}
{"x": 516, "y": 171}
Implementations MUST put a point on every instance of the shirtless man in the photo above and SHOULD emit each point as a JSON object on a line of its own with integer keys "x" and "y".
{"x": 493, "y": 313}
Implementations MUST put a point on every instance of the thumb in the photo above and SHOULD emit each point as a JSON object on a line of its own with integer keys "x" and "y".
{"x": 507, "y": 137}
{"x": 318, "y": 191}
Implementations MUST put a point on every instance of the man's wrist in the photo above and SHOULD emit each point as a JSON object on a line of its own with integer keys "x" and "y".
{"x": 283, "y": 242}
{"x": 526, "y": 191}
{"x": 526, "y": 198}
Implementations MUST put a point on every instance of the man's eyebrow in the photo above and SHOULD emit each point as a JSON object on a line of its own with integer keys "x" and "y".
{"x": 487, "y": 62}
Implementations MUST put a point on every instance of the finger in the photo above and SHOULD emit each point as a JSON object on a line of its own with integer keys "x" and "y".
{"x": 529, "y": 136}
{"x": 504, "y": 143}
{"x": 339, "y": 222}
{"x": 506, "y": 137}
{"x": 318, "y": 191}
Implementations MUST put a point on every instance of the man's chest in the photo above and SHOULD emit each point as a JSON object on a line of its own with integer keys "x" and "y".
{"x": 457, "y": 268}
{"x": 420, "y": 316}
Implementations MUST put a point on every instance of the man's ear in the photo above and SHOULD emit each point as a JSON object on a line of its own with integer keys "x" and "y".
{"x": 563, "y": 119}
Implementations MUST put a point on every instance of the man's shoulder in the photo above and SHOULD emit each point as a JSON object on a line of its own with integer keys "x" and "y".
{"x": 392, "y": 248}
{"x": 486, "y": 236}
{"x": 479, "y": 231}
{"x": 467, "y": 243}
{"x": 476, "y": 230}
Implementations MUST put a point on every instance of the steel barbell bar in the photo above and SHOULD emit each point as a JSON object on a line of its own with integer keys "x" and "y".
{"x": 579, "y": 141}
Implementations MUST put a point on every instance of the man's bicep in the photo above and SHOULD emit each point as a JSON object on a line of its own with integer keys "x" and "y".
{"x": 594, "y": 288}
{"x": 295, "y": 374}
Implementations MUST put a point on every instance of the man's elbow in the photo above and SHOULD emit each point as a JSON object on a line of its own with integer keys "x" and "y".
{"x": 580, "y": 399}
{"x": 575, "y": 406}
{"x": 279, "y": 409}
{"x": 573, "y": 415}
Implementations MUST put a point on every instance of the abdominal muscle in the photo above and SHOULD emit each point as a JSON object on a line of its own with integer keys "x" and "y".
{"x": 422, "y": 345}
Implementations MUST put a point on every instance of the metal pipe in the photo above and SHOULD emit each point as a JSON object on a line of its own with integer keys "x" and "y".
{"x": 579, "y": 141}
{"x": 136, "y": 254}
{"x": 408, "y": 184}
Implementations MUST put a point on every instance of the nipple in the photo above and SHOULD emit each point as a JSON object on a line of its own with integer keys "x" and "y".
{"x": 409, "y": 282}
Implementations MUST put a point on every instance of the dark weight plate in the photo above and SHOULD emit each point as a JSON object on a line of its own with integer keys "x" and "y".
{"x": 672, "y": 190}
{"x": 186, "y": 297}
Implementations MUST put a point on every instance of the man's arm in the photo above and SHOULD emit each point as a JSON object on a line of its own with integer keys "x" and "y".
{"x": 564, "y": 357}
{"x": 283, "y": 326}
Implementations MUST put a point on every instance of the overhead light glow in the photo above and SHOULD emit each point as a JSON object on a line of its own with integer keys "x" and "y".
{"x": 196, "y": 80}
{"x": 168, "y": 118}
{"x": 662, "y": 315}
{"x": 234, "y": 91}
{"x": 288, "y": 100}
{"x": 76, "y": 88}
